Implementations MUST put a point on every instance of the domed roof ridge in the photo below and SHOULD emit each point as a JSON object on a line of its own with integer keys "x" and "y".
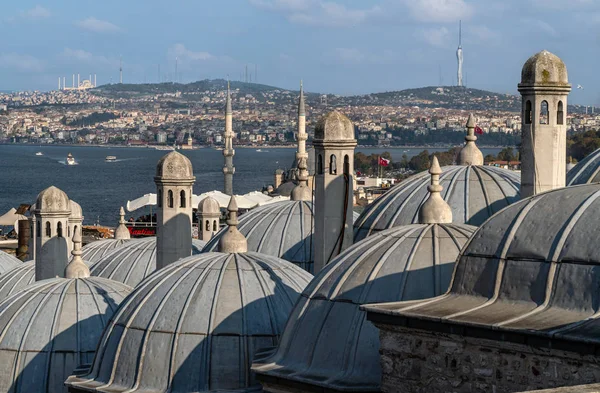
{"x": 201, "y": 305}
{"x": 327, "y": 342}
{"x": 97, "y": 250}
{"x": 585, "y": 171}
{"x": 8, "y": 262}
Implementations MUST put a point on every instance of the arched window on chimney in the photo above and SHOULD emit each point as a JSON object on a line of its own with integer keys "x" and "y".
{"x": 544, "y": 113}
{"x": 560, "y": 114}
{"x": 528, "y": 112}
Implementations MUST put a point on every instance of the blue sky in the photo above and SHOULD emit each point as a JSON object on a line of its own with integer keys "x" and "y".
{"x": 336, "y": 46}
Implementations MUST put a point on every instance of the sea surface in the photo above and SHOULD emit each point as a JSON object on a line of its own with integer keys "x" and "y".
{"x": 101, "y": 187}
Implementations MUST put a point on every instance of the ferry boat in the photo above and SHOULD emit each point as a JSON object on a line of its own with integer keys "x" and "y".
{"x": 39, "y": 153}
{"x": 70, "y": 159}
{"x": 110, "y": 158}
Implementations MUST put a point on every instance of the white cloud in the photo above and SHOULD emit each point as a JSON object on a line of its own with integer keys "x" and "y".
{"x": 82, "y": 56}
{"x": 439, "y": 10}
{"x": 318, "y": 12}
{"x": 37, "y": 12}
{"x": 98, "y": 26}
{"x": 439, "y": 37}
{"x": 18, "y": 62}
{"x": 481, "y": 34}
{"x": 560, "y": 4}
{"x": 540, "y": 26}
{"x": 184, "y": 54}
{"x": 353, "y": 56}
{"x": 349, "y": 55}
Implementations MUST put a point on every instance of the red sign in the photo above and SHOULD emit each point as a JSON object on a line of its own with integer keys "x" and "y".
{"x": 142, "y": 231}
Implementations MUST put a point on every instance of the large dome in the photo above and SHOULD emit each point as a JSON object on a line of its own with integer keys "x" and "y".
{"x": 8, "y": 262}
{"x": 195, "y": 325}
{"x": 50, "y": 328}
{"x": 133, "y": 261}
{"x": 95, "y": 251}
{"x": 586, "y": 171}
{"x": 473, "y": 192}
{"x": 281, "y": 229}
{"x": 327, "y": 341}
{"x": 534, "y": 268}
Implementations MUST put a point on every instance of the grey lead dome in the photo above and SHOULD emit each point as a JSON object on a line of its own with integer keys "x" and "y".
{"x": 50, "y": 328}
{"x": 585, "y": 171}
{"x": 95, "y": 251}
{"x": 281, "y": 229}
{"x": 195, "y": 325}
{"x": 327, "y": 341}
{"x": 474, "y": 193}
{"x": 8, "y": 262}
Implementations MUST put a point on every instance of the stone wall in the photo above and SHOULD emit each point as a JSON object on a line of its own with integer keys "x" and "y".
{"x": 416, "y": 361}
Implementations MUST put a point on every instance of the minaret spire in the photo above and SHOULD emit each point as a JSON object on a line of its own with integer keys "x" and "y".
{"x": 435, "y": 210}
{"x": 228, "y": 152}
{"x": 470, "y": 153}
{"x": 301, "y": 153}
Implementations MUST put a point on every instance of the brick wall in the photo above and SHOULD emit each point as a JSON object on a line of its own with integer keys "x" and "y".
{"x": 415, "y": 361}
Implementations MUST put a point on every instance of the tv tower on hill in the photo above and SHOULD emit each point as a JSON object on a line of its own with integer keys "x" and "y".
{"x": 121, "y": 69}
{"x": 459, "y": 55}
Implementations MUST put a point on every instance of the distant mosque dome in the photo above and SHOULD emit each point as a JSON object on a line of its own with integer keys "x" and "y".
{"x": 281, "y": 229}
{"x": 133, "y": 261}
{"x": 585, "y": 171}
{"x": 473, "y": 192}
{"x": 327, "y": 342}
{"x": 195, "y": 325}
{"x": 544, "y": 67}
{"x": 95, "y": 251}
{"x": 8, "y": 262}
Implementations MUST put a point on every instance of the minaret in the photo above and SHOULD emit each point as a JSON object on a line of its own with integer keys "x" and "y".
{"x": 470, "y": 153}
{"x": 334, "y": 149}
{"x": 302, "y": 137}
{"x": 544, "y": 89}
{"x": 208, "y": 214}
{"x": 459, "y": 56}
{"x": 52, "y": 212}
{"x": 228, "y": 152}
{"x": 122, "y": 233}
{"x": 233, "y": 241}
{"x": 77, "y": 268}
{"x": 435, "y": 210}
{"x": 174, "y": 181}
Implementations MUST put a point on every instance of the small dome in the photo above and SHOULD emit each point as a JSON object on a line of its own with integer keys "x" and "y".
{"x": 52, "y": 199}
{"x": 585, "y": 171}
{"x": 95, "y": 251}
{"x": 174, "y": 166}
{"x": 134, "y": 261}
{"x": 285, "y": 189}
{"x": 76, "y": 212}
{"x": 52, "y": 327}
{"x": 8, "y": 262}
{"x": 327, "y": 341}
{"x": 281, "y": 229}
{"x": 195, "y": 325}
{"x": 533, "y": 268}
{"x": 474, "y": 193}
{"x": 334, "y": 126}
{"x": 544, "y": 68}
{"x": 209, "y": 205}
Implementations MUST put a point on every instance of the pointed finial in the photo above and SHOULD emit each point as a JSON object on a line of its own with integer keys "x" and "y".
{"x": 228, "y": 102}
{"x": 301, "y": 106}
{"x": 470, "y": 153}
{"x": 232, "y": 241}
{"x": 302, "y": 192}
{"x": 77, "y": 268}
{"x": 122, "y": 233}
{"x": 435, "y": 210}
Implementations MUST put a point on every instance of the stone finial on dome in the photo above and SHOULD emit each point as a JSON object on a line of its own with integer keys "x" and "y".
{"x": 77, "y": 268}
{"x": 544, "y": 68}
{"x": 334, "y": 126}
{"x": 435, "y": 210}
{"x": 233, "y": 242}
{"x": 302, "y": 191}
{"x": 174, "y": 166}
{"x": 470, "y": 153}
{"x": 53, "y": 200}
{"x": 122, "y": 233}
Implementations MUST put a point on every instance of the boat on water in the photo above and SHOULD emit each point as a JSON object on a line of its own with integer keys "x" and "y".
{"x": 110, "y": 158}
{"x": 39, "y": 153}
{"x": 164, "y": 148}
{"x": 219, "y": 148}
{"x": 70, "y": 159}
{"x": 259, "y": 150}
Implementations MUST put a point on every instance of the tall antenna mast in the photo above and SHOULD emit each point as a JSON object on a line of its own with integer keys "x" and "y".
{"x": 459, "y": 57}
{"x": 121, "y": 69}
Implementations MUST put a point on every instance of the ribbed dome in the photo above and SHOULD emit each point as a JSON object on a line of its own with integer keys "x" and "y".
{"x": 534, "y": 268}
{"x": 174, "y": 165}
{"x": 544, "y": 68}
{"x": 586, "y": 171}
{"x": 95, "y": 251}
{"x": 8, "y": 262}
{"x": 53, "y": 199}
{"x": 281, "y": 229}
{"x": 209, "y": 205}
{"x": 327, "y": 341}
{"x": 76, "y": 212}
{"x": 50, "y": 328}
{"x": 195, "y": 325}
{"x": 473, "y": 192}
{"x": 133, "y": 261}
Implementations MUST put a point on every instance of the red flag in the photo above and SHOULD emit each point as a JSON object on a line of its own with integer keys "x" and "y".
{"x": 478, "y": 130}
{"x": 383, "y": 161}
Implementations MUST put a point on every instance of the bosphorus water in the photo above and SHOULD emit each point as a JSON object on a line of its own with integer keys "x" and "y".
{"x": 101, "y": 187}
